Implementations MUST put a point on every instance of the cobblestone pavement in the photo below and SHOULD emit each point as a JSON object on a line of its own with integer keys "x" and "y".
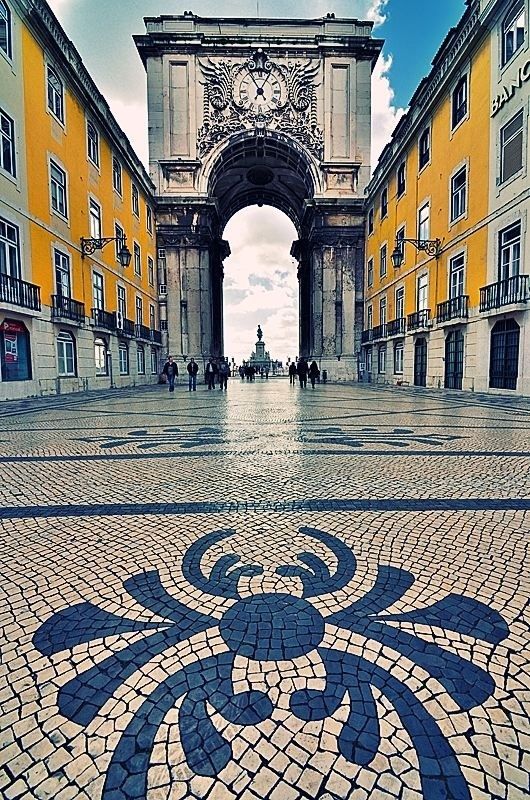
{"x": 269, "y": 593}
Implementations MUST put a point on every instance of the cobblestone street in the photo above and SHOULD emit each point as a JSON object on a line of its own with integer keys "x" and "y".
{"x": 265, "y": 593}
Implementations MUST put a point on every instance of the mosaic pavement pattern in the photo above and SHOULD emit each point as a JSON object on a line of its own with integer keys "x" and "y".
{"x": 265, "y": 594}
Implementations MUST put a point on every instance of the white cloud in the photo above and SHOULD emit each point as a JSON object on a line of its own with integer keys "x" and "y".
{"x": 132, "y": 117}
{"x": 385, "y": 115}
{"x": 375, "y": 11}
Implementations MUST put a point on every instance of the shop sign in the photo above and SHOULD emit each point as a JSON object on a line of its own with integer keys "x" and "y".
{"x": 12, "y": 326}
{"x": 507, "y": 92}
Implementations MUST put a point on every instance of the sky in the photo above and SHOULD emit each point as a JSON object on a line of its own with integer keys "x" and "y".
{"x": 260, "y": 283}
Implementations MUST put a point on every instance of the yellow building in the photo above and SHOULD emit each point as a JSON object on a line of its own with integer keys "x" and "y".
{"x": 78, "y": 291}
{"x": 424, "y": 318}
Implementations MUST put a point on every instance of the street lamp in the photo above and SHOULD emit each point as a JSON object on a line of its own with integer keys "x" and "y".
{"x": 429, "y": 246}
{"x": 90, "y": 245}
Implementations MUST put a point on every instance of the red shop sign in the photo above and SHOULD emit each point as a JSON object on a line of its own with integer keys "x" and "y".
{"x": 12, "y": 326}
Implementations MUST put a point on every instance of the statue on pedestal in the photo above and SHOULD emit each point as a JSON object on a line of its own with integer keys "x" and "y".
{"x": 260, "y": 333}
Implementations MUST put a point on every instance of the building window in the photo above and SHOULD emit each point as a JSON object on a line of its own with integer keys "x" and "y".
{"x": 116, "y": 175}
{"x": 94, "y": 216}
{"x": 400, "y": 241}
{"x": 512, "y": 147}
{"x": 137, "y": 259}
{"x": 382, "y": 311}
{"x": 401, "y": 179}
{"x": 456, "y": 276}
{"x": 423, "y": 223}
{"x": 513, "y": 31}
{"x": 15, "y": 353}
{"x": 154, "y": 361}
{"x": 150, "y": 271}
{"x": 122, "y": 301}
{"x": 510, "y": 251}
{"x": 135, "y": 200}
{"x": 9, "y": 249}
{"x": 422, "y": 292}
{"x": 398, "y": 358}
{"x": 458, "y": 194}
{"x": 152, "y": 317}
{"x": 384, "y": 203}
{"x": 140, "y": 359}
{"x": 424, "y": 148}
{"x": 370, "y": 272}
{"x": 62, "y": 274}
{"x": 459, "y": 102}
{"x": 5, "y": 29}
{"x": 123, "y": 355}
{"x": 139, "y": 311}
{"x": 382, "y": 261}
{"x": 7, "y": 144}
{"x": 149, "y": 219}
{"x": 58, "y": 189}
{"x": 98, "y": 296}
{"x": 55, "y": 94}
{"x": 119, "y": 234}
{"x": 504, "y": 354}
{"x": 65, "y": 354}
{"x": 371, "y": 221}
{"x": 370, "y": 318}
{"x": 381, "y": 359}
{"x": 400, "y": 303}
{"x": 92, "y": 143}
{"x": 368, "y": 359}
{"x": 100, "y": 356}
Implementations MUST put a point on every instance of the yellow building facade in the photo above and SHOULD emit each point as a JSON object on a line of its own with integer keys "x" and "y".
{"x": 78, "y": 293}
{"x": 425, "y": 322}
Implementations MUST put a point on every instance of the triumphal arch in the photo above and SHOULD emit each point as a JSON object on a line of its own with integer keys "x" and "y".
{"x": 267, "y": 112}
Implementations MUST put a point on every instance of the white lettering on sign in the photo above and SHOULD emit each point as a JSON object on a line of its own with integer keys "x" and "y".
{"x": 523, "y": 74}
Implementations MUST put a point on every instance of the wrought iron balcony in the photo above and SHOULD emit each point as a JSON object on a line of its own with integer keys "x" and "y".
{"x": 396, "y": 327}
{"x": 104, "y": 319}
{"x": 128, "y": 328}
{"x": 142, "y": 332}
{"x": 67, "y": 308}
{"x": 19, "y": 293}
{"x": 504, "y": 293}
{"x": 379, "y": 332}
{"x": 156, "y": 336}
{"x": 454, "y": 308}
{"x": 419, "y": 319}
{"x": 366, "y": 336}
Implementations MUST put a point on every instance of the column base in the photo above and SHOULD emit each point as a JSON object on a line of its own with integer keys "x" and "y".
{"x": 340, "y": 369}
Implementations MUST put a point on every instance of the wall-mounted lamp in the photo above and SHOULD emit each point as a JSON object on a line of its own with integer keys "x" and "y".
{"x": 430, "y": 246}
{"x": 89, "y": 246}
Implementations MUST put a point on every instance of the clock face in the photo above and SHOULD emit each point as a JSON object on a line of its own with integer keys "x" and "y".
{"x": 260, "y": 91}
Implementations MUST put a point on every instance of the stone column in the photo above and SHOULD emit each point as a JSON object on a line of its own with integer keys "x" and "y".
{"x": 300, "y": 251}
{"x": 219, "y": 250}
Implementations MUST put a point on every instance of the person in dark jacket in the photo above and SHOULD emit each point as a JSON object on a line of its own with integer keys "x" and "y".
{"x": 292, "y": 373}
{"x": 210, "y": 372}
{"x": 302, "y": 369}
{"x": 314, "y": 373}
{"x": 171, "y": 371}
{"x": 224, "y": 372}
{"x": 193, "y": 369}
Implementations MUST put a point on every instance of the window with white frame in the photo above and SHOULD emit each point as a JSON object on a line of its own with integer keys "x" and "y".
{"x": 401, "y": 178}
{"x": 100, "y": 356}
{"x": 5, "y": 29}
{"x": 55, "y": 94}
{"x": 154, "y": 361}
{"x": 459, "y": 102}
{"x": 382, "y": 261}
{"x": 398, "y": 358}
{"x": 98, "y": 295}
{"x": 140, "y": 359}
{"x": 368, "y": 359}
{"x": 94, "y": 217}
{"x": 400, "y": 241}
{"x": 382, "y": 311}
{"x": 150, "y": 271}
{"x": 512, "y": 147}
{"x": 123, "y": 356}
{"x": 370, "y": 318}
{"x": 423, "y": 223}
{"x": 371, "y": 221}
{"x": 424, "y": 148}
{"x": 66, "y": 366}
{"x": 513, "y": 31}
{"x": 58, "y": 189}
{"x": 384, "y": 203}
{"x": 152, "y": 317}
{"x": 149, "y": 219}
{"x": 400, "y": 302}
{"x": 135, "y": 200}
{"x": 370, "y": 272}
{"x": 458, "y": 194}
{"x": 119, "y": 235}
{"x": 456, "y": 276}
{"x": 116, "y": 175}
{"x": 139, "y": 311}
{"x": 381, "y": 359}
{"x": 7, "y": 144}
{"x": 137, "y": 257}
{"x": 422, "y": 292}
{"x": 92, "y": 137}
{"x": 9, "y": 249}
{"x": 62, "y": 274}
{"x": 121, "y": 297}
{"x": 510, "y": 251}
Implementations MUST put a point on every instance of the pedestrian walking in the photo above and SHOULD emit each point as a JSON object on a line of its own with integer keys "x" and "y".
{"x": 193, "y": 369}
{"x": 302, "y": 369}
{"x": 171, "y": 371}
{"x": 292, "y": 373}
{"x": 210, "y": 374}
{"x": 224, "y": 371}
{"x": 314, "y": 373}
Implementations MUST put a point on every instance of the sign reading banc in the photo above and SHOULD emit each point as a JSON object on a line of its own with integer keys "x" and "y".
{"x": 523, "y": 74}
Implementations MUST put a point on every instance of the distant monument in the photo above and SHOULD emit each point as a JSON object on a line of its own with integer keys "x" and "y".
{"x": 260, "y": 359}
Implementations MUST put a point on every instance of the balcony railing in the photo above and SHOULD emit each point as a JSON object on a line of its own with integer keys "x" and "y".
{"x": 419, "y": 319}
{"x": 366, "y": 336}
{"x": 142, "y": 332}
{"x": 396, "y": 327}
{"x": 454, "y": 308}
{"x": 504, "y": 293}
{"x": 19, "y": 293}
{"x": 379, "y": 332}
{"x": 128, "y": 328}
{"x": 156, "y": 336}
{"x": 104, "y": 319}
{"x": 66, "y": 308}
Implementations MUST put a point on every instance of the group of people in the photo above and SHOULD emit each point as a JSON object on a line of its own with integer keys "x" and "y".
{"x": 249, "y": 371}
{"x": 213, "y": 372}
{"x": 302, "y": 370}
